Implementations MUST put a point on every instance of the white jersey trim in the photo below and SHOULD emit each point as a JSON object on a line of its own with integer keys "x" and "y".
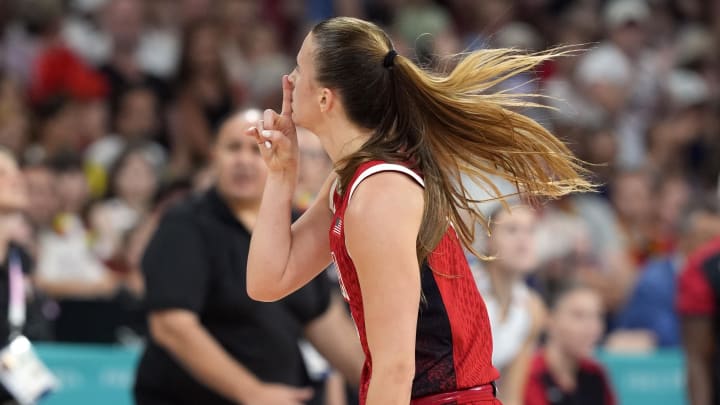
{"x": 331, "y": 201}
{"x": 385, "y": 167}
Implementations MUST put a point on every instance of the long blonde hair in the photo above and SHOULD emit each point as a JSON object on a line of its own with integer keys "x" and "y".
{"x": 443, "y": 125}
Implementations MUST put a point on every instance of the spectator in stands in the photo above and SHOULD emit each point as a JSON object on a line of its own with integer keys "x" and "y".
{"x": 517, "y": 313}
{"x": 210, "y": 343}
{"x": 56, "y": 130}
{"x": 698, "y": 292}
{"x": 563, "y": 372}
{"x": 14, "y": 261}
{"x": 67, "y": 266}
{"x": 204, "y": 98}
{"x": 579, "y": 238}
{"x": 651, "y": 306}
{"x": 43, "y": 204}
{"x": 267, "y": 62}
{"x": 631, "y": 196}
{"x": 14, "y": 117}
{"x": 133, "y": 183}
{"x": 672, "y": 194}
{"x": 122, "y": 24}
{"x": 137, "y": 121}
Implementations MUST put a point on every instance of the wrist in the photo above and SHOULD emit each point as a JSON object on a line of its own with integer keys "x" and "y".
{"x": 284, "y": 177}
{"x": 246, "y": 392}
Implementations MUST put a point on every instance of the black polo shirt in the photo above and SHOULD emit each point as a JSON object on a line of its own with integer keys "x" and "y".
{"x": 197, "y": 261}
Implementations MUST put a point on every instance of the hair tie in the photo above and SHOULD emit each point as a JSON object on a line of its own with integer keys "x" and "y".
{"x": 389, "y": 59}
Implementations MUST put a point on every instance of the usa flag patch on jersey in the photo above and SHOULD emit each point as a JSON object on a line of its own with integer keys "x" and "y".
{"x": 337, "y": 227}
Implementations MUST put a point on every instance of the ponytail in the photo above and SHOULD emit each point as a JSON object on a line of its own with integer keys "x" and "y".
{"x": 445, "y": 126}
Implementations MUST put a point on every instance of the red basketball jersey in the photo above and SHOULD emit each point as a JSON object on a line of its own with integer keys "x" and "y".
{"x": 453, "y": 347}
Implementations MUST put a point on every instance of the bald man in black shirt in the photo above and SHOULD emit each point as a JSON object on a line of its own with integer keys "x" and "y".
{"x": 210, "y": 343}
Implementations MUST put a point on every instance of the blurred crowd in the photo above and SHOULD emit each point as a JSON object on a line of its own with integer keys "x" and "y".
{"x": 110, "y": 107}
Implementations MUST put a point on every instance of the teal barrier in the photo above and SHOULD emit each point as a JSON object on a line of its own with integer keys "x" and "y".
{"x": 92, "y": 375}
{"x": 639, "y": 379}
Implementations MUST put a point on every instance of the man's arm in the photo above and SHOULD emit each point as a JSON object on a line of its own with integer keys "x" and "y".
{"x": 333, "y": 334}
{"x": 181, "y": 334}
{"x": 697, "y": 334}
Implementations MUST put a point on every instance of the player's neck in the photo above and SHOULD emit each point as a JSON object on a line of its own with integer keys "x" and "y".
{"x": 341, "y": 138}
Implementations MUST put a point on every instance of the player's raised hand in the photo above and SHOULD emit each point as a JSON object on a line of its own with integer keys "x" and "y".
{"x": 276, "y": 135}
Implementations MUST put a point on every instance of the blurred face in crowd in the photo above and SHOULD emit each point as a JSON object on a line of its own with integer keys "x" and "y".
{"x": 61, "y": 130}
{"x": 631, "y": 196}
{"x": 136, "y": 118}
{"x": 512, "y": 239}
{"x": 204, "y": 51}
{"x": 263, "y": 42}
{"x": 672, "y": 198}
{"x": 239, "y": 14}
{"x": 13, "y": 193}
{"x": 14, "y": 120}
{"x": 602, "y": 147}
{"x": 72, "y": 187}
{"x": 136, "y": 180}
{"x": 193, "y": 10}
{"x": 92, "y": 120}
{"x": 576, "y": 323}
{"x": 306, "y": 95}
{"x": 123, "y": 19}
{"x": 239, "y": 167}
{"x": 315, "y": 165}
{"x": 42, "y": 195}
{"x": 612, "y": 97}
{"x": 630, "y": 37}
{"x": 13, "y": 131}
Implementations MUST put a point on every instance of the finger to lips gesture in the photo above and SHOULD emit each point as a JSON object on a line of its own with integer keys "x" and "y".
{"x": 276, "y": 135}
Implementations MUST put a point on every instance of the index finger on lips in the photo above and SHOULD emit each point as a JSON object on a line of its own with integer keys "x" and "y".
{"x": 287, "y": 96}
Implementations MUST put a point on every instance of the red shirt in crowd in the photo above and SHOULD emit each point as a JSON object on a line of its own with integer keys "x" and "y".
{"x": 696, "y": 294}
{"x": 592, "y": 388}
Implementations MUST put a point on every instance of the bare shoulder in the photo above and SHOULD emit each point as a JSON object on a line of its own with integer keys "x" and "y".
{"x": 386, "y": 195}
{"x": 383, "y": 217}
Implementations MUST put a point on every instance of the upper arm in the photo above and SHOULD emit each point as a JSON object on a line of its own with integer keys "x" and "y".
{"x": 175, "y": 266}
{"x": 382, "y": 222}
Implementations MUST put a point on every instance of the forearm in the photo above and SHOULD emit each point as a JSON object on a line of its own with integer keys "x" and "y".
{"x": 271, "y": 239}
{"x": 697, "y": 332}
{"x": 74, "y": 289}
{"x": 203, "y": 357}
{"x": 699, "y": 380}
{"x": 514, "y": 380}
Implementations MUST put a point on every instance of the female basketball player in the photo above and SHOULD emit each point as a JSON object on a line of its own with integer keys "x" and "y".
{"x": 399, "y": 138}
